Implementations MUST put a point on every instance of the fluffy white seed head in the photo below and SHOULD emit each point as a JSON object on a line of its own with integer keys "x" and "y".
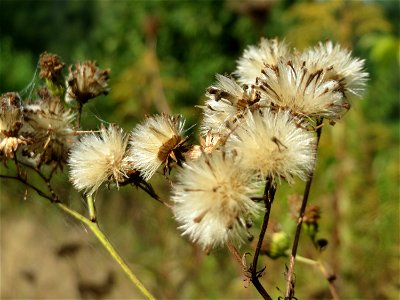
{"x": 254, "y": 58}
{"x": 291, "y": 85}
{"x": 272, "y": 145}
{"x": 97, "y": 158}
{"x": 340, "y": 66}
{"x": 153, "y": 142}
{"x": 212, "y": 200}
{"x": 226, "y": 102}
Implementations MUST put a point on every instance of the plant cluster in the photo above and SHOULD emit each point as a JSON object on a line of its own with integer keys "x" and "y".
{"x": 260, "y": 127}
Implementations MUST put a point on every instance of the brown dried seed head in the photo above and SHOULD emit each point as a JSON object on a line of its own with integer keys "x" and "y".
{"x": 50, "y": 66}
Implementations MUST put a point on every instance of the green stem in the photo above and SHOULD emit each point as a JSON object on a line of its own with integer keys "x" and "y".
{"x": 106, "y": 243}
{"x": 91, "y": 208}
{"x": 306, "y": 260}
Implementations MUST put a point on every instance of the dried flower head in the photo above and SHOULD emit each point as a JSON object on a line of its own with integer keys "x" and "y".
{"x": 87, "y": 81}
{"x": 157, "y": 141}
{"x": 291, "y": 85}
{"x": 226, "y": 103}
{"x": 271, "y": 144}
{"x": 50, "y": 66}
{"x": 49, "y": 127}
{"x": 254, "y": 58}
{"x": 340, "y": 66}
{"x": 97, "y": 158}
{"x": 211, "y": 142}
{"x": 11, "y": 119}
{"x": 212, "y": 200}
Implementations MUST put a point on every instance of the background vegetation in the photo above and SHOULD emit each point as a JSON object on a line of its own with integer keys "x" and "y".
{"x": 163, "y": 55}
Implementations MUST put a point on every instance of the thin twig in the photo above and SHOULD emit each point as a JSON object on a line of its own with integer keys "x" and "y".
{"x": 269, "y": 194}
{"x": 235, "y": 253}
{"x": 37, "y": 190}
{"x": 289, "y": 279}
{"x": 94, "y": 227}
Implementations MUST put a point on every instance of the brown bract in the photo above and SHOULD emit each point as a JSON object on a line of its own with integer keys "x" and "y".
{"x": 172, "y": 152}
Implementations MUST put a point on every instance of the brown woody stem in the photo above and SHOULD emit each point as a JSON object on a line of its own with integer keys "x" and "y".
{"x": 269, "y": 194}
{"x": 289, "y": 279}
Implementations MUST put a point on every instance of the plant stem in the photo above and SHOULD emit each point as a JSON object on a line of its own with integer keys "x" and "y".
{"x": 91, "y": 208}
{"x": 323, "y": 270}
{"x": 289, "y": 279}
{"x": 269, "y": 194}
{"x": 94, "y": 227}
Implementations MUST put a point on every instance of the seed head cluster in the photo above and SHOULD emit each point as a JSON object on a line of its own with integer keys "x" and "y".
{"x": 259, "y": 126}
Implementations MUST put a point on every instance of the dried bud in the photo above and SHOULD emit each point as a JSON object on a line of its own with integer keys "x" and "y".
{"x": 87, "y": 81}
{"x": 207, "y": 145}
{"x": 312, "y": 214}
{"x": 50, "y": 67}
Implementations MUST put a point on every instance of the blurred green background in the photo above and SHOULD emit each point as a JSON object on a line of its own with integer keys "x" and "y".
{"x": 163, "y": 55}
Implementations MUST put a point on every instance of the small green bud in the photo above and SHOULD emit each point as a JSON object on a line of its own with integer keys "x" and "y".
{"x": 278, "y": 245}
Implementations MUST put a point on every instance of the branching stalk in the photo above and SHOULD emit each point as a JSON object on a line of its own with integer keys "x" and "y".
{"x": 289, "y": 279}
{"x": 269, "y": 194}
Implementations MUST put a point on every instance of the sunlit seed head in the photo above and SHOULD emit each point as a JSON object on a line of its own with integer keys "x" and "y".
{"x": 212, "y": 200}
{"x": 86, "y": 82}
{"x": 254, "y": 58}
{"x": 226, "y": 102}
{"x": 340, "y": 66}
{"x": 97, "y": 158}
{"x": 291, "y": 85}
{"x": 271, "y": 144}
{"x": 154, "y": 142}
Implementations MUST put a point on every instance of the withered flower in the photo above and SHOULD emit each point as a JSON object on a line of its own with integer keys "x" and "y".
{"x": 49, "y": 127}
{"x": 86, "y": 81}
{"x": 211, "y": 142}
{"x": 11, "y": 120}
{"x": 51, "y": 67}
